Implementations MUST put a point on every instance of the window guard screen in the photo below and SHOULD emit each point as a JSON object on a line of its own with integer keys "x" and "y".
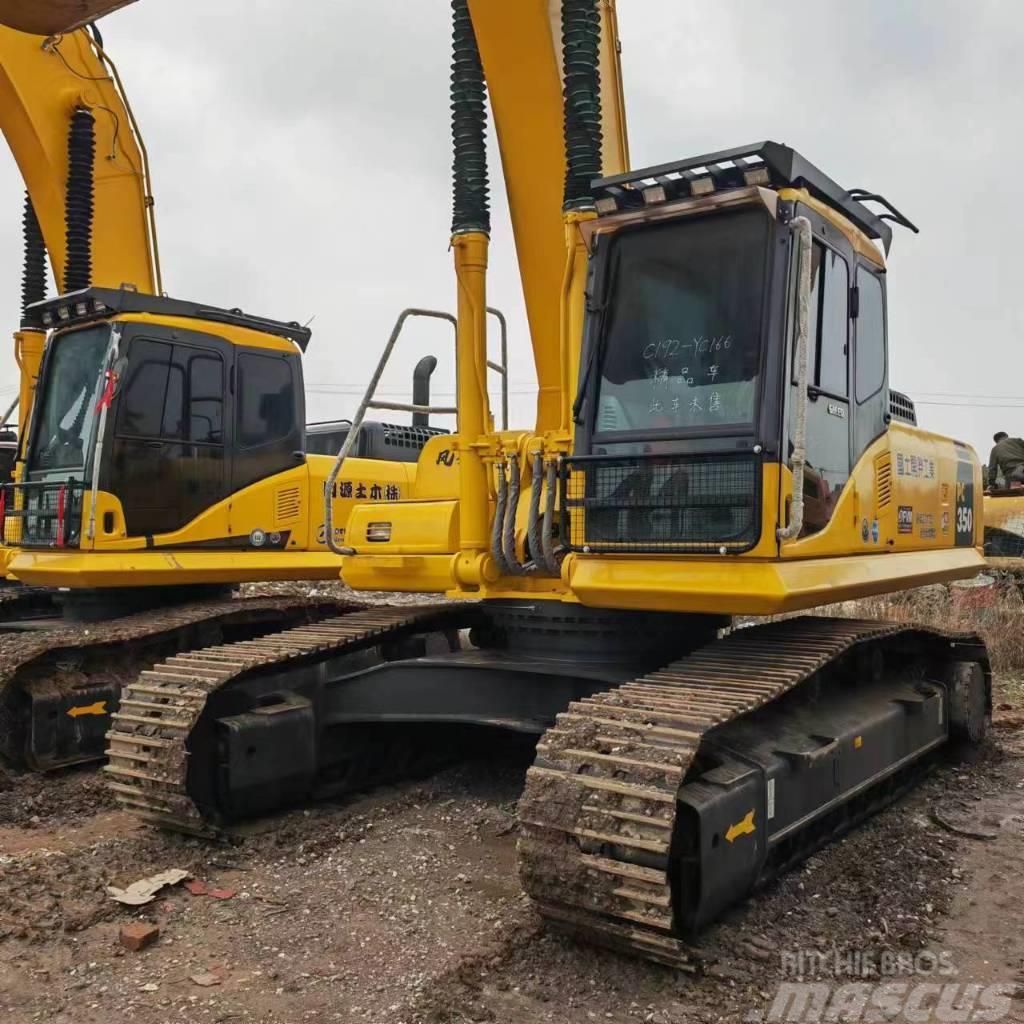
{"x": 677, "y": 504}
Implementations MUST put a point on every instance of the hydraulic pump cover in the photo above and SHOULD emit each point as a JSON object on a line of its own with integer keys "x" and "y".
{"x": 49, "y": 17}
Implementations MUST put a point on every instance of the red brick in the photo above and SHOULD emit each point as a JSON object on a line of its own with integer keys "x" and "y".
{"x": 138, "y": 935}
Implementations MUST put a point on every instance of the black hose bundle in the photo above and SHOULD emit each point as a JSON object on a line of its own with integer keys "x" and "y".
{"x": 33, "y": 277}
{"x": 79, "y": 201}
{"x": 581, "y": 57}
{"x": 470, "y": 202}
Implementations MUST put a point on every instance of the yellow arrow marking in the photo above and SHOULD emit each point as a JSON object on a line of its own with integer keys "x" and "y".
{"x": 99, "y": 708}
{"x": 741, "y": 828}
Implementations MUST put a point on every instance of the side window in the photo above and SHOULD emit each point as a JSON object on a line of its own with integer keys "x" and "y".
{"x": 205, "y": 408}
{"x": 173, "y": 392}
{"x": 833, "y": 322}
{"x": 145, "y": 390}
{"x": 870, "y": 335}
{"x": 266, "y": 399}
{"x": 829, "y": 315}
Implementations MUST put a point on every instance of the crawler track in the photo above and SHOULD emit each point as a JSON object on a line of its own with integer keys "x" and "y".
{"x": 599, "y": 808}
{"x": 18, "y": 604}
{"x": 55, "y": 665}
{"x": 148, "y": 744}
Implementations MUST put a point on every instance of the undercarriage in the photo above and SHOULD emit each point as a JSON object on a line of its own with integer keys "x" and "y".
{"x": 680, "y": 764}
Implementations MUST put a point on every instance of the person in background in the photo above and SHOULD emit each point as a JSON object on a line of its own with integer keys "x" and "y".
{"x": 1006, "y": 460}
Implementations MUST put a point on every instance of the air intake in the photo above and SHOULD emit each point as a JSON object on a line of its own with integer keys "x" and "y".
{"x": 287, "y": 505}
{"x": 902, "y": 408}
{"x": 883, "y": 481}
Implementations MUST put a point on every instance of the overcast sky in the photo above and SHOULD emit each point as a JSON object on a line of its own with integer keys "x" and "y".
{"x": 301, "y": 167}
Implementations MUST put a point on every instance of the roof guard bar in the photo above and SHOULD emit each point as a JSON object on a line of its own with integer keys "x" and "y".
{"x": 785, "y": 166}
{"x": 369, "y": 402}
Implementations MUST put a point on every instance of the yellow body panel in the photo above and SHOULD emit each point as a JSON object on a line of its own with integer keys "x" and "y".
{"x": 231, "y": 333}
{"x": 893, "y": 526}
{"x": 213, "y": 547}
{"x": 81, "y": 569}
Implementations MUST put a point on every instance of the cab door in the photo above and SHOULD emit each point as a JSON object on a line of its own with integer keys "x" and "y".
{"x": 168, "y": 462}
{"x": 829, "y": 412}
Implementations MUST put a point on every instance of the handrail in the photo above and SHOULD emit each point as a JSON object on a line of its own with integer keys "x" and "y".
{"x": 368, "y": 402}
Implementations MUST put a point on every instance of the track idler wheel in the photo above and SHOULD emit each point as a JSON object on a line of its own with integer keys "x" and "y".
{"x": 970, "y": 714}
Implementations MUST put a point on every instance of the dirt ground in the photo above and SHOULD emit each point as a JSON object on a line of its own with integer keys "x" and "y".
{"x": 404, "y": 906}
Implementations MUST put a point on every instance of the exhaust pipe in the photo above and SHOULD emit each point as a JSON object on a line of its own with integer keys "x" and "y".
{"x": 421, "y": 389}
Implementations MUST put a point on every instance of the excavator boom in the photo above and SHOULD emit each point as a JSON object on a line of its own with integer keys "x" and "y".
{"x": 521, "y": 51}
{"x": 44, "y": 84}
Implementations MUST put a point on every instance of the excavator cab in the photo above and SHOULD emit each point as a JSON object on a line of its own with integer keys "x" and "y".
{"x": 163, "y": 406}
{"x": 692, "y": 379}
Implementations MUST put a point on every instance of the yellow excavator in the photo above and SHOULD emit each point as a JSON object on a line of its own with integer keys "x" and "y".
{"x": 162, "y": 456}
{"x": 715, "y": 437}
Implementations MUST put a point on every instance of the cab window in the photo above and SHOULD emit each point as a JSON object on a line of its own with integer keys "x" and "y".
{"x": 870, "y": 335}
{"x": 266, "y": 399}
{"x": 173, "y": 392}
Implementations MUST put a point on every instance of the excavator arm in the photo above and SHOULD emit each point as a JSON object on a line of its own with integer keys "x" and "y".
{"x": 48, "y": 85}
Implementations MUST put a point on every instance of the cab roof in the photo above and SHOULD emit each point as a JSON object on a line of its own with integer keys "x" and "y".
{"x": 92, "y": 304}
{"x": 770, "y": 164}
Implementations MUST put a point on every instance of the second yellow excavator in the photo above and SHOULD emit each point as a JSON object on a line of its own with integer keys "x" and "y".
{"x": 163, "y": 454}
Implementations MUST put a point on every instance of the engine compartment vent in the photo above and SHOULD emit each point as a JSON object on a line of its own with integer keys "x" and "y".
{"x": 287, "y": 505}
{"x": 883, "y": 481}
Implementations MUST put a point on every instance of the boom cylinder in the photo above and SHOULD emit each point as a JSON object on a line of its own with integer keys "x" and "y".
{"x": 471, "y": 222}
{"x": 80, "y": 202}
{"x": 33, "y": 279}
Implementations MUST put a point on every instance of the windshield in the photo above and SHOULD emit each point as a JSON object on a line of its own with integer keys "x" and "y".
{"x": 681, "y": 347}
{"x": 71, "y": 392}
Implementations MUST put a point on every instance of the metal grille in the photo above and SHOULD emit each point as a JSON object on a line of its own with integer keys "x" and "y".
{"x": 902, "y": 408}
{"x": 409, "y": 437}
{"x": 883, "y": 481}
{"x": 655, "y": 503}
{"x": 46, "y": 515}
{"x": 288, "y": 504}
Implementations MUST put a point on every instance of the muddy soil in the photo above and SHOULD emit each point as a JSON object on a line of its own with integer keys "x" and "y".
{"x": 403, "y": 906}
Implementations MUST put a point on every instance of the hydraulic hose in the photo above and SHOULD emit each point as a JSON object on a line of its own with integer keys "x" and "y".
{"x": 508, "y": 538}
{"x": 547, "y": 531}
{"x": 80, "y": 200}
{"x": 33, "y": 279}
{"x": 533, "y": 523}
{"x": 581, "y": 45}
{"x": 470, "y": 188}
{"x": 497, "y": 550}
